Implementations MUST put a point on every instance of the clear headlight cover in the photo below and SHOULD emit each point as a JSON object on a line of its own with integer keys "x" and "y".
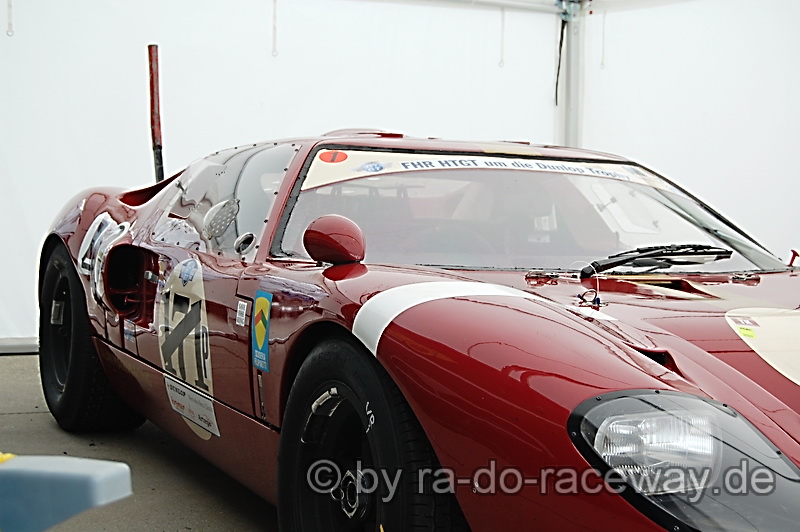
{"x": 688, "y": 462}
{"x": 646, "y": 450}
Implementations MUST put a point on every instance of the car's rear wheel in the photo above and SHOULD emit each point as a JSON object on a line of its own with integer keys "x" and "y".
{"x": 352, "y": 455}
{"x": 75, "y": 388}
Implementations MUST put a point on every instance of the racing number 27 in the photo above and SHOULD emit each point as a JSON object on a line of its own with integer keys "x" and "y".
{"x": 190, "y": 324}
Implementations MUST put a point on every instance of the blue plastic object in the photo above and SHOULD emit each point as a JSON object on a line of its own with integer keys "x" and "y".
{"x": 38, "y": 492}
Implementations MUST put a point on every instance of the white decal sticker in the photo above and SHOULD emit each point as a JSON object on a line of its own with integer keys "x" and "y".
{"x": 773, "y": 333}
{"x": 353, "y": 164}
{"x": 98, "y": 241}
{"x": 129, "y": 331}
{"x": 377, "y": 313}
{"x": 241, "y": 313}
{"x": 194, "y": 406}
{"x": 183, "y": 326}
{"x": 89, "y": 245}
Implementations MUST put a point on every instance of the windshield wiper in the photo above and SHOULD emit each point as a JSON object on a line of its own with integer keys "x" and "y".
{"x": 659, "y": 257}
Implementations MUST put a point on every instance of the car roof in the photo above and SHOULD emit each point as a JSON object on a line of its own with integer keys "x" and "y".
{"x": 391, "y": 140}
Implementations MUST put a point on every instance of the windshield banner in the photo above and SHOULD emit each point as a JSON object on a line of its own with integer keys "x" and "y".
{"x": 335, "y": 166}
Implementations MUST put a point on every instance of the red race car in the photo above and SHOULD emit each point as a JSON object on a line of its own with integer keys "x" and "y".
{"x": 384, "y": 333}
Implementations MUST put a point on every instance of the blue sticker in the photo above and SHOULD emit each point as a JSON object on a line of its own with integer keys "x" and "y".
{"x": 372, "y": 167}
{"x": 188, "y": 270}
{"x": 129, "y": 331}
{"x": 260, "y": 330}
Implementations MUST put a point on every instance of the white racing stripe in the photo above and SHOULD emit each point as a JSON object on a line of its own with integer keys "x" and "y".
{"x": 773, "y": 333}
{"x": 382, "y": 309}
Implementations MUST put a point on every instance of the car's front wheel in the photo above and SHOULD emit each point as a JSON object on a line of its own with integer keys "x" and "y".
{"x": 352, "y": 454}
{"x": 75, "y": 388}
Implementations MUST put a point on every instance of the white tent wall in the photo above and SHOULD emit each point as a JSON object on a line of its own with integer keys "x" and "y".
{"x": 705, "y": 92}
{"x": 74, "y": 104}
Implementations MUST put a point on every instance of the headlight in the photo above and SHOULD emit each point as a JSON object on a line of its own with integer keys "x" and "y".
{"x": 644, "y": 449}
{"x": 687, "y": 462}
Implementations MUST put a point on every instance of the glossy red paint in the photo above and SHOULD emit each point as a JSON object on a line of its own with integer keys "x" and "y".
{"x": 504, "y": 392}
{"x": 145, "y": 385}
{"x": 491, "y": 378}
{"x": 334, "y": 239}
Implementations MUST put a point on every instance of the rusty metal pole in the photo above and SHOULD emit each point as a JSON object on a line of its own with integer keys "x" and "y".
{"x": 155, "y": 112}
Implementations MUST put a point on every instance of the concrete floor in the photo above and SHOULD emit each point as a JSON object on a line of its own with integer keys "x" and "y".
{"x": 173, "y": 488}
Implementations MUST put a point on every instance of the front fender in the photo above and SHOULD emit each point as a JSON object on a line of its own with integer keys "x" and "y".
{"x": 493, "y": 380}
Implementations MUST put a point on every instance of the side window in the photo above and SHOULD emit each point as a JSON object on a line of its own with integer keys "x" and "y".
{"x": 225, "y": 200}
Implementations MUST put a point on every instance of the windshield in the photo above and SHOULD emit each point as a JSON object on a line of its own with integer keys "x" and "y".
{"x": 494, "y": 212}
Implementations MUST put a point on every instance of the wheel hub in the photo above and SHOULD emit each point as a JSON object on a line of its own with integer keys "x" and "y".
{"x": 351, "y": 495}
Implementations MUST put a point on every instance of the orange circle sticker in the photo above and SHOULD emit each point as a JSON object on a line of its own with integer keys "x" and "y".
{"x": 333, "y": 156}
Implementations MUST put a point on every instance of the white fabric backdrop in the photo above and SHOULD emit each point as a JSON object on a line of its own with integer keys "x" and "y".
{"x": 703, "y": 91}
{"x": 75, "y": 103}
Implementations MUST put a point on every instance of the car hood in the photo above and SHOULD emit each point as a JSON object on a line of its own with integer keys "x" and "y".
{"x": 749, "y": 323}
{"x": 734, "y": 338}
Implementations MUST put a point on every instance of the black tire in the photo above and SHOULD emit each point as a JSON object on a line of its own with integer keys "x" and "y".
{"x": 75, "y": 388}
{"x": 361, "y": 419}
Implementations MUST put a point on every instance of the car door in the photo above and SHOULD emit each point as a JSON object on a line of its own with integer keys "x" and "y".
{"x": 207, "y": 234}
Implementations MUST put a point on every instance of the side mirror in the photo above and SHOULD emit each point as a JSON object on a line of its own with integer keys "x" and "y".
{"x": 335, "y": 239}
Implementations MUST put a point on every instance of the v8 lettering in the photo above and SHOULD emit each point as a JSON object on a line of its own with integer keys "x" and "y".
{"x": 370, "y": 417}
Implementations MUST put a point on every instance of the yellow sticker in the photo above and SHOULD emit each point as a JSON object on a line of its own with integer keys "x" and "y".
{"x": 745, "y": 331}
{"x": 4, "y": 457}
{"x": 773, "y": 334}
